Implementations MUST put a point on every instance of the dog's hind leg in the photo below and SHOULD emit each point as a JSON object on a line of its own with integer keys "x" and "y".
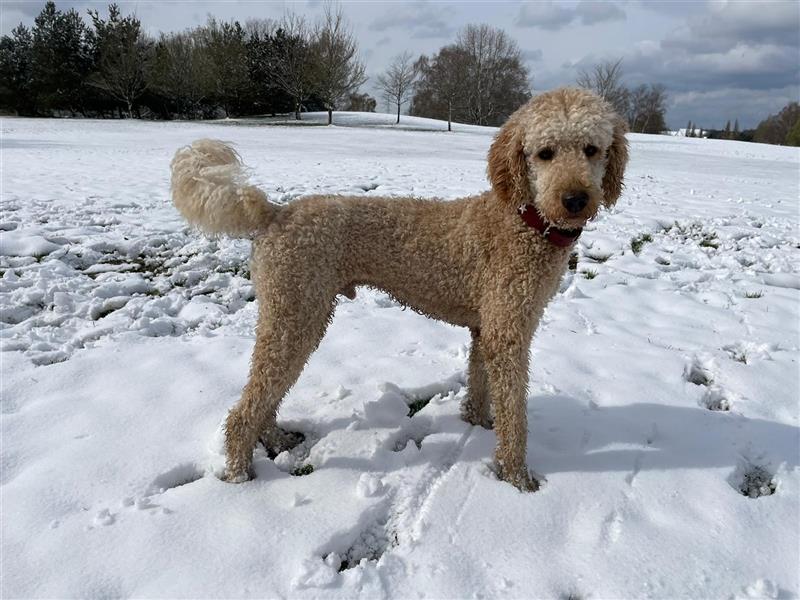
{"x": 289, "y": 330}
{"x": 475, "y": 408}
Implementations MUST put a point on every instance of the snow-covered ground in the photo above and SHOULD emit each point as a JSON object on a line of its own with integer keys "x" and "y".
{"x": 664, "y": 383}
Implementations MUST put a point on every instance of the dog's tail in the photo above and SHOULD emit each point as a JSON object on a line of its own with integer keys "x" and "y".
{"x": 210, "y": 190}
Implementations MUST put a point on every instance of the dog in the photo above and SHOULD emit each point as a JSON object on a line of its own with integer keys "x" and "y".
{"x": 489, "y": 262}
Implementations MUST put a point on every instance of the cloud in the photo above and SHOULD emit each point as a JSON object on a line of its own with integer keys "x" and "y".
{"x": 552, "y": 16}
{"x": 420, "y": 18}
{"x": 534, "y": 55}
{"x": 597, "y": 12}
{"x": 713, "y": 108}
{"x": 731, "y": 24}
{"x": 735, "y": 60}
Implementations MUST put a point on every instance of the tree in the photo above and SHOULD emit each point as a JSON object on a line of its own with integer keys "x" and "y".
{"x": 226, "y": 53}
{"x": 397, "y": 83}
{"x": 793, "y": 137}
{"x": 180, "y": 72}
{"x": 727, "y": 134}
{"x": 647, "y": 109}
{"x": 480, "y": 79}
{"x": 360, "y": 103}
{"x": 122, "y": 54}
{"x": 775, "y": 128}
{"x": 337, "y": 68}
{"x": 688, "y": 129}
{"x": 291, "y": 62}
{"x": 16, "y": 78}
{"x": 61, "y": 59}
{"x": 736, "y": 129}
{"x": 264, "y": 94}
{"x": 440, "y": 85}
{"x": 605, "y": 80}
{"x": 496, "y": 78}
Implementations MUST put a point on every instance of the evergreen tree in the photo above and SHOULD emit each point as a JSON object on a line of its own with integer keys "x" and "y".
{"x": 264, "y": 93}
{"x": 121, "y": 57}
{"x": 16, "y": 77}
{"x": 226, "y": 52}
{"x": 736, "y": 129}
{"x": 727, "y": 134}
{"x": 62, "y": 58}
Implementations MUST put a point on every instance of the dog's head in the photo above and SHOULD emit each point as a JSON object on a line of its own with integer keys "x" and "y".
{"x": 563, "y": 152}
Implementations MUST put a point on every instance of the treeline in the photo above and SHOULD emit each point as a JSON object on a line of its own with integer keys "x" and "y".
{"x": 62, "y": 66}
{"x": 782, "y": 129}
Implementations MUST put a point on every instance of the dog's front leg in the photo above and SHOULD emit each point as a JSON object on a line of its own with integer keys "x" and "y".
{"x": 505, "y": 349}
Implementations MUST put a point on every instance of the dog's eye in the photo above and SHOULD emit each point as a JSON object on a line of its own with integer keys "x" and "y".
{"x": 590, "y": 151}
{"x": 546, "y": 154}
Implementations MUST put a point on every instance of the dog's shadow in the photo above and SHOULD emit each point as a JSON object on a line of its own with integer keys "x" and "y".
{"x": 566, "y": 435}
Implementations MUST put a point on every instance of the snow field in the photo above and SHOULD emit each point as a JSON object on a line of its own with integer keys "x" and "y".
{"x": 663, "y": 409}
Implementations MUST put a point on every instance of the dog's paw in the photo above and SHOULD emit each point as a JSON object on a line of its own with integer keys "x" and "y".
{"x": 237, "y": 477}
{"x": 523, "y": 481}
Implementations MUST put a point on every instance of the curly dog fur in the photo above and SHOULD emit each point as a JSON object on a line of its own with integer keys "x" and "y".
{"x": 472, "y": 262}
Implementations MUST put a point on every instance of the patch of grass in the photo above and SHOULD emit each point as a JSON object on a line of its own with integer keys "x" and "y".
{"x": 573, "y": 261}
{"x": 599, "y": 258}
{"x": 589, "y": 273}
{"x": 304, "y": 470}
{"x": 751, "y": 295}
{"x": 639, "y": 241}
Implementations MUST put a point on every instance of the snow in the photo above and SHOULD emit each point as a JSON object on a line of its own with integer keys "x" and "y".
{"x": 663, "y": 403}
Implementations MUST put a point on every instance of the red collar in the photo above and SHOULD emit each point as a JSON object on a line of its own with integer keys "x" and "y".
{"x": 558, "y": 237}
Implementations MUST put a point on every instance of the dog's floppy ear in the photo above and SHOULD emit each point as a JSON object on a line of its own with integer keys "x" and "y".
{"x": 507, "y": 170}
{"x": 615, "y": 167}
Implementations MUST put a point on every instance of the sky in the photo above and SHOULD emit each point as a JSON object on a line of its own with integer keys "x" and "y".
{"x": 719, "y": 60}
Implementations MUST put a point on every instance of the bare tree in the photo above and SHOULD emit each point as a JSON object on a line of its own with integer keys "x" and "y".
{"x": 180, "y": 71}
{"x": 605, "y": 80}
{"x": 497, "y": 78}
{"x": 398, "y": 81}
{"x": 647, "y": 108}
{"x": 441, "y": 84}
{"x": 337, "y": 68}
{"x": 293, "y": 60}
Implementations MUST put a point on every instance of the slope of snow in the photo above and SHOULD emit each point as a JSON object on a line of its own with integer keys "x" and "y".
{"x": 363, "y": 119}
{"x": 663, "y": 403}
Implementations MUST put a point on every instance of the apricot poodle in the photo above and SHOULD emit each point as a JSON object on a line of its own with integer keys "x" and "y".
{"x": 489, "y": 262}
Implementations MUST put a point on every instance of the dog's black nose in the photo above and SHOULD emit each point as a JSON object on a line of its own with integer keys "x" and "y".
{"x": 575, "y": 202}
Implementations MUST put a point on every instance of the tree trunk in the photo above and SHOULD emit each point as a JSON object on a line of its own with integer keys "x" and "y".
{"x": 398, "y": 114}
{"x": 297, "y": 111}
{"x": 330, "y": 116}
{"x": 449, "y": 116}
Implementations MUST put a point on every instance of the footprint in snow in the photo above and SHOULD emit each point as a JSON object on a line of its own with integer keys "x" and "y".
{"x": 700, "y": 372}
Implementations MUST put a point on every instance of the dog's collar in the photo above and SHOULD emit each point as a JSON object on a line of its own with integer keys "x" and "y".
{"x": 558, "y": 237}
